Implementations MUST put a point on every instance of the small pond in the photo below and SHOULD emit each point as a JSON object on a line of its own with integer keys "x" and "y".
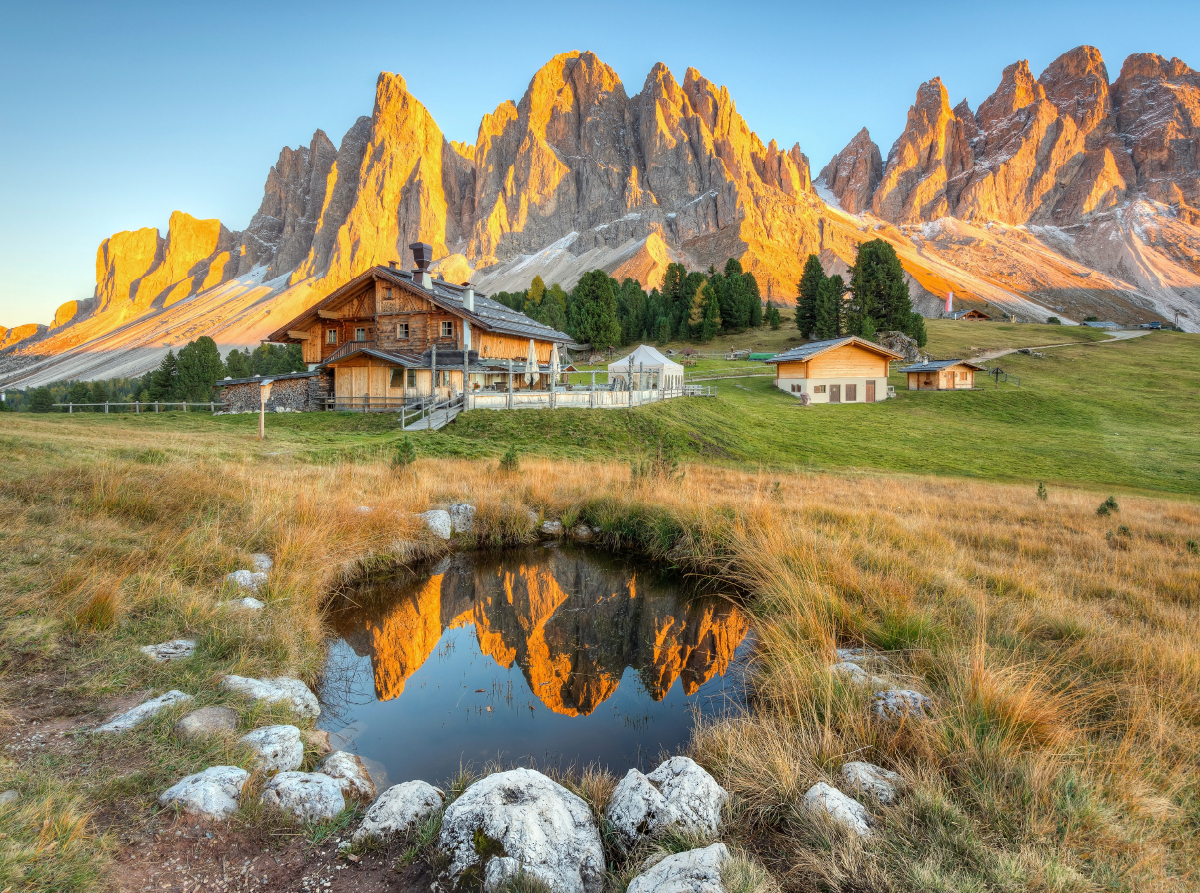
{"x": 551, "y": 655}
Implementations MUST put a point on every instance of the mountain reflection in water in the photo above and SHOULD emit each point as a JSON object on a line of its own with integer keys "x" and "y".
{"x": 580, "y": 629}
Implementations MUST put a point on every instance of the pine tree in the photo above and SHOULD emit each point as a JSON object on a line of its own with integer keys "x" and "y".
{"x": 553, "y": 311}
{"x": 754, "y": 297}
{"x": 711, "y": 323}
{"x": 98, "y": 393}
{"x": 237, "y": 364}
{"x": 592, "y": 311}
{"x": 773, "y": 318}
{"x": 809, "y": 287}
{"x": 916, "y": 329}
{"x": 199, "y": 367}
{"x": 828, "y": 314}
{"x": 41, "y": 400}
{"x": 162, "y": 385}
{"x": 880, "y": 290}
{"x": 533, "y": 297}
{"x": 78, "y": 392}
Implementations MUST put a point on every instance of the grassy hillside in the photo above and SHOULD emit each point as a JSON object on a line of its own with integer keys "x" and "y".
{"x": 1122, "y": 414}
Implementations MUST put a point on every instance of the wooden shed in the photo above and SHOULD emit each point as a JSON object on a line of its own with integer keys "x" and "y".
{"x": 837, "y": 370}
{"x": 942, "y": 375}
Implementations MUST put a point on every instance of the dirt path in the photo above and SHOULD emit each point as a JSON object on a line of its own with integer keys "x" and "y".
{"x": 1003, "y": 352}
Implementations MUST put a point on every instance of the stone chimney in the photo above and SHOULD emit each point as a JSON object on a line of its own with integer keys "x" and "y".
{"x": 393, "y": 264}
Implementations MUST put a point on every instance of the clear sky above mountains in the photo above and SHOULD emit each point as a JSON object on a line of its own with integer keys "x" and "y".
{"x": 117, "y": 114}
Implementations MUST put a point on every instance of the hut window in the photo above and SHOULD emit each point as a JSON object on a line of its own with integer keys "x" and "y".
{"x": 447, "y": 329}
{"x": 851, "y": 393}
{"x": 402, "y": 331}
{"x": 388, "y": 293}
{"x": 331, "y": 336}
{"x": 412, "y": 378}
{"x": 397, "y": 379}
{"x": 819, "y": 389}
{"x": 360, "y": 334}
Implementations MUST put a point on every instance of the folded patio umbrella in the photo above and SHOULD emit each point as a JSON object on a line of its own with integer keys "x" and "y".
{"x": 531, "y": 364}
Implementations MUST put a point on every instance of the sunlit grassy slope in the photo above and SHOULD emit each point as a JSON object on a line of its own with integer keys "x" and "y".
{"x": 1123, "y": 414}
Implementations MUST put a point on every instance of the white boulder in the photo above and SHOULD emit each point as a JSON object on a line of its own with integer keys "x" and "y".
{"x": 696, "y": 871}
{"x": 350, "y": 774}
{"x": 872, "y": 780}
{"x": 399, "y": 809}
{"x": 462, "y": 517}
{"x": 582, "y": 533}
{"x": 858, "y": 654}
{"x": 679, "y": 792}
{"x": 243, "y": 579}
{"x": 207, "y": 721}
{"x": 282, "y": 689}
{"x": 123, "y": 722}
{"x": 900, "y": 704}
{"x": 278, "y": 748}
{"x": 262, "y": 563}
{"x": 552, "y": 528}
{"x": 211, "y": 794}
{"x": 856, "y": 675}
{"x": 243, "y": 604}
{"x": 438, "y": 522}
{"x": 308, "y": 796}
{"x": 826, "y": 800}
{"x": 176, "y": 649}
{"x": 521, "y": 820}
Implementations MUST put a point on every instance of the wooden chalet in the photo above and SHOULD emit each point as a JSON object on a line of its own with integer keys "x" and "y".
{"x": 942, "y": 375}
{"x": 837, "y": 370}
{"x": 971, "y": 315}
{"x": 390, "y": 336}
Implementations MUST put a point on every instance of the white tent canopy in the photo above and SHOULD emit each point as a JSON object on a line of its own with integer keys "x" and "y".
{"x": 647, "y": 360}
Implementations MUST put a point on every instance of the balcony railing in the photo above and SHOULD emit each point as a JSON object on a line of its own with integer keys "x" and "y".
{"x": 348, "y": 348}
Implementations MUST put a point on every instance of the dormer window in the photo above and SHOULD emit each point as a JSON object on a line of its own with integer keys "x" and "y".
{"x": 447, "y": 329}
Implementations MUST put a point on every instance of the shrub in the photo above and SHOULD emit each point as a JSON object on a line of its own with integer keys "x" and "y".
{"x": 1193, "y": 547}
{"x": 1041, "y": 491}
{"x": 661, "y": 465}
{"x": 1108, "y": 506}
{"x": 1053, "y": 321}
{"x": 510, "y": 461}
{"x": 405, "y": 453}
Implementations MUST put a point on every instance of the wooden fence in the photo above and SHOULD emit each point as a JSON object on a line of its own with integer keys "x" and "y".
{"x": 138, "y": 407}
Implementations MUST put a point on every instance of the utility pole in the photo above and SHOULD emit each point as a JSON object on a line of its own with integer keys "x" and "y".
{"x": 264, "y": 392}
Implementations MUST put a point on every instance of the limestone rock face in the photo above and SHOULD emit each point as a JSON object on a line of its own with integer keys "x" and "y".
{"x": 211, "y": 794}
{"x": 399, "y": 809}
{"x": 521, "y": 819}
{"x": 280, "y": 234}
{"x": 853, "y": 173}
{"x": 696, "y": 871}
{"x": 1158, "y": 116}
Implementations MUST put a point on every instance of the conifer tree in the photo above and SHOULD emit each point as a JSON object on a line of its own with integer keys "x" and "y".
{"x": 592, "y": 311}
{"x": 237, "y": 364}
{"x": 199, "y": 366}
{"x": 879, "y": 290}
{"x": 162, "y": 385}
{"x": 533, "y": 297}
{"x": 828, "y": 314}
{"x": 809, "y": 287}
{"x": 553, "y": 312}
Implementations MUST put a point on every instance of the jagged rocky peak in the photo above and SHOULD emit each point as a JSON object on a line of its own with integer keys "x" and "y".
{"x": 1157, "y": 105}
{"x": 1077, "y": 83}
{"x": 280, "y": 233}
{"x": 853, "y": 173}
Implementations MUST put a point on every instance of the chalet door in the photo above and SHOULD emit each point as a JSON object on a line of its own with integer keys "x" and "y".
{"x": 360, "y": 381}
{"x": 870, "y": 396}
{"x": 835, "y": 393}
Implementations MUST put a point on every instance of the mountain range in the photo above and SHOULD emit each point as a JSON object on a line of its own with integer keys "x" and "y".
{"x": 1065, "y": 195}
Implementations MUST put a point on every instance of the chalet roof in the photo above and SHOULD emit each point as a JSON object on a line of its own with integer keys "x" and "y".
{"x": 259, "y": 379}
{"x": 488, "y": 315}
{"x": 935, "y": 365}
{"x": 959, "y": 314}
{"x": 447, "y": 359}
{"x": 807, "y": 351}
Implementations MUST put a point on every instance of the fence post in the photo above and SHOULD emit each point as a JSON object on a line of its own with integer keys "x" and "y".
{"x": 592, "y": 400}
{"x": 184, "y": 405}
{"x": 211, "y": 407}
{"x": 70, "y": 409}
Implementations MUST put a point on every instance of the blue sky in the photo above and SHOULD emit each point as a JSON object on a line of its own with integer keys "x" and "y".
{"x": 117, "y": 114}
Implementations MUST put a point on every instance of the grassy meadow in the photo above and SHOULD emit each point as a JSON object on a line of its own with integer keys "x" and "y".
{"x": 1058, "y": 644}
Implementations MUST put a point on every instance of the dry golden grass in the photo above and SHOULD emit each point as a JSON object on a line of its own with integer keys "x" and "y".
{"x": 1058, "y": 645}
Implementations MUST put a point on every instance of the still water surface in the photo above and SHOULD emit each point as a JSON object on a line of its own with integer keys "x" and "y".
{"x": 548, "y": 655}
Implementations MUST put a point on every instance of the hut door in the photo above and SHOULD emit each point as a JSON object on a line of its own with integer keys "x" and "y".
{"x": 870, "y": 392}
{"x": 835, "y": 393}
